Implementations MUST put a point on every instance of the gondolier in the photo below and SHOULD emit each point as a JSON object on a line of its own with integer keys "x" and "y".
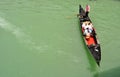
{"x": 87, "y": 10}
{"x": 85, "y": 15}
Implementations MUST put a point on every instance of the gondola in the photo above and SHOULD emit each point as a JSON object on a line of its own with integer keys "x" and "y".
{"x": 92, "y": 42}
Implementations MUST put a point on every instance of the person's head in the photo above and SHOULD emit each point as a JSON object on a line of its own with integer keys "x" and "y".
{"x": 87, "y": 5}
{"x": 87, "y": 22}
{"x": 87, "y": 8}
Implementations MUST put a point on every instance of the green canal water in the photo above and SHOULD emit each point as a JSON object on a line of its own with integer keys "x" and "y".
{"x": 41, "y": 38}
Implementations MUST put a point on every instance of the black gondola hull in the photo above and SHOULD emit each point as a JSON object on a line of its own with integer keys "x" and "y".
{"x": 95, "y": 50}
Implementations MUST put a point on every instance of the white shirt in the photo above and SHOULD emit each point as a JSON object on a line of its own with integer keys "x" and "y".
{"x": 87, "y": 28}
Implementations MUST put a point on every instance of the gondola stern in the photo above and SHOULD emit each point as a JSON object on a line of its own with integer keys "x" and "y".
{"x": 96, "y": 53}
{"x": 98, "y": 63}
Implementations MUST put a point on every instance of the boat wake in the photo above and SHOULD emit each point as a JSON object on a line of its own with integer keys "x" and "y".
{"x": 21, "y": 36}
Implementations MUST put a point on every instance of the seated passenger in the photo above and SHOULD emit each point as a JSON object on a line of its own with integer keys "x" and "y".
{"x": 87, "y": 29}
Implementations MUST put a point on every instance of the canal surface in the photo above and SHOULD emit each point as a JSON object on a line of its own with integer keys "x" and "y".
{"x": 41, "y": 38}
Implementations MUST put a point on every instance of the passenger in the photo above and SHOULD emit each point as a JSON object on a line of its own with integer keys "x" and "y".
{"x": 87, "y": 29}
